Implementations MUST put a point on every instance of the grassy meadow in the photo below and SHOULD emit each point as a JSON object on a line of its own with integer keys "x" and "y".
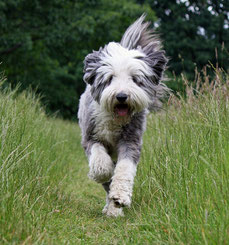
{"x": 181, "y": 193}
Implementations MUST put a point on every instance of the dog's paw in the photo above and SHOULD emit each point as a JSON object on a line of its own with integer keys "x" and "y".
{"x": 120, "y": 198}
{"x": 101, "y": 167}
{"x": 112, "y": 210}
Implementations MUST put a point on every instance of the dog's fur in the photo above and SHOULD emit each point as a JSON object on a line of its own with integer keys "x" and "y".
{"x": 123, "y": 83}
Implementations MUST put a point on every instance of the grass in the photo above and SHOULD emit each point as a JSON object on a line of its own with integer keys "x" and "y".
{"x": 181, "y": 193}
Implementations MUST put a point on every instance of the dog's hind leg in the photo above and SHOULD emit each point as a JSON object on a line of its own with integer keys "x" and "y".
{"x": 106, "y": 187}
{"x": 100, "y": 164}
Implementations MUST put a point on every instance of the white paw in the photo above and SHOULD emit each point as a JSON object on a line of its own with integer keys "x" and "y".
{"x": 101, "y": 167}
{"x": 112, "y": 210}
{"x": 120, "y": 198}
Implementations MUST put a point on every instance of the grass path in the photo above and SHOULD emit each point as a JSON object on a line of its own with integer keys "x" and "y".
{"x": 80, "y": 220}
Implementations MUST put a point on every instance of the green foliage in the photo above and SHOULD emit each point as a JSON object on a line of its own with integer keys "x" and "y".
{"x": 43, "y": 43}
{"x": 194, "y": 33}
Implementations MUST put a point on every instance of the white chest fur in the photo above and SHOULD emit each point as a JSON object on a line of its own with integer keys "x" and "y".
{"x": 107, "y": 129}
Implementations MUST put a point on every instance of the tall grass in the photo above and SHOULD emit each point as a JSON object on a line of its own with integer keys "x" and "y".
{"x": 34, "y": 159}
{"x": 183, "y": 179}
{"x": 181, "y": 193}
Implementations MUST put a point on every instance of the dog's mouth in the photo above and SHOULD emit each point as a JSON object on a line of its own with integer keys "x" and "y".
{"x": 121, "y": 110}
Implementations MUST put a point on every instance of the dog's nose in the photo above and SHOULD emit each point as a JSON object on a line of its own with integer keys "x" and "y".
{"x": 121, "y": 97}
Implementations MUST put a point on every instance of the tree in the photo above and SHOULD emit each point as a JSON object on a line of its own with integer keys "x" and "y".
{"x": 43, "y": 43}
{"x": 192, "y": 32}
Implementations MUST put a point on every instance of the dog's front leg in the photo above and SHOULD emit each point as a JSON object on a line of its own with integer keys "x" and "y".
{"x": 122, "y": 182}
{"x": 121, "y": 186}
{"x": 100, "y": 163}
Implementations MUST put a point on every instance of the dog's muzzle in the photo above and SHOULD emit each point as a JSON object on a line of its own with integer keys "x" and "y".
{"x": 121, "y": 109}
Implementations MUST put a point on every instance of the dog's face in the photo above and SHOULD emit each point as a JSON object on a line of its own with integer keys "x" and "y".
{"x": 124, "y": 77}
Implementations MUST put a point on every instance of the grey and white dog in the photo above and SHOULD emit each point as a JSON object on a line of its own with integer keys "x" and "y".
{"x": 123, "y": 84}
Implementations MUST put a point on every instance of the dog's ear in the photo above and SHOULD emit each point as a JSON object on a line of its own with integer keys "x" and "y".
{"x": 157, "y": 61}
{"x": 140, "y": 36}
{"x": 91, "y": 64}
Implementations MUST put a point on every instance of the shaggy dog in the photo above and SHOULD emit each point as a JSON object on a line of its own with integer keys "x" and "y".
{"x": 123, "y": 84}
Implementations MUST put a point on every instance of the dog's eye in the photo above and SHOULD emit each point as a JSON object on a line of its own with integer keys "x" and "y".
{"x": 109, "y": 80}
{"x": 135, "y": 80}
{"x": 138, "y": 82}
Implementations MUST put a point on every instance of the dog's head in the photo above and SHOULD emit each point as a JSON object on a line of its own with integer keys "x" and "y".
{"x": 125, "y": 77}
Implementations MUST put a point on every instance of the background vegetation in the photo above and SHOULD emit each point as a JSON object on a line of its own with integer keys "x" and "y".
{"x": 181, "y": 188}
{"x": 43, "y": 43}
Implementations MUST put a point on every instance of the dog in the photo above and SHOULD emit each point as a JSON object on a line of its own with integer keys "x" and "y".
{"x": 123, "y": 85}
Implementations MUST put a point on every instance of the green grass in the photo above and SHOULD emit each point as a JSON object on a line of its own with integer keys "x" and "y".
{"x": 181, "y": 193}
